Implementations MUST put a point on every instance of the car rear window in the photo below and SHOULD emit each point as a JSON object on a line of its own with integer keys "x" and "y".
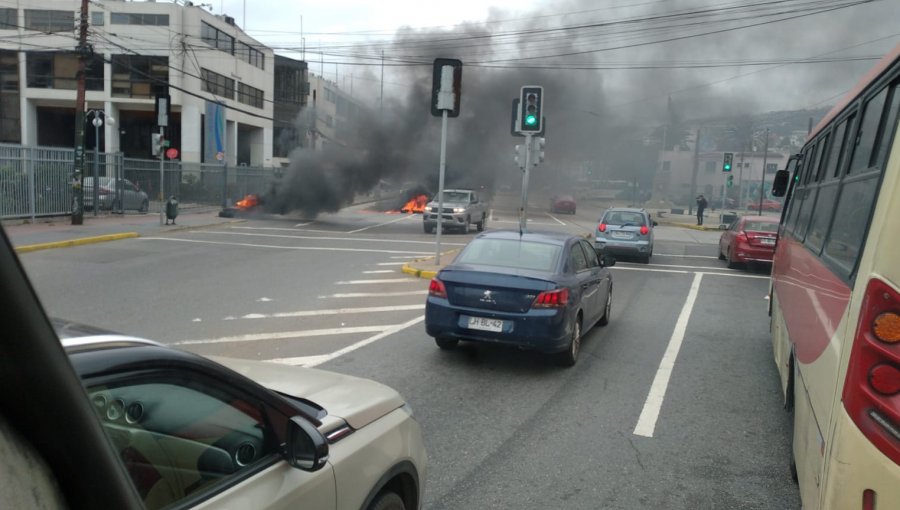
{"x": 760, "y": 226}
{"x": 511, "y": 253}
{"x": 454, "y": 196}
{"x": 624, "y": 218}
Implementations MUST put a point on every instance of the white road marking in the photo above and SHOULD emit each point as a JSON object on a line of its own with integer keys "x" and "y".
{"x": 681, "y": 271}
{"x": 626, "y": 268}
{"x": 303, "y": 224}
{"x": 197, "y": 320}
{"x": 336, "y": 311}
{"x": 407, "y": 257}
{"x": 312, "y": 361}
{"x": 256, "y": 337}
{"x": 286, "y": 229}
{"x": 384, "y": 280}
{"x": 263, "y": 300}
{"x": 382, "y": 224}
{"x": 684, "y": 256}
{"x": 699, "y": 268}
{"x": 646, "y": 423}
{"x": 323, "y": 238}
{"x": 555, "y": 218}
{"x": 390, "y": 263}
{"x": 409, "y": 254}
{"x": 530, "y": 222}
{"x": 379, "y": 271}
{"x": 375, "y": 294}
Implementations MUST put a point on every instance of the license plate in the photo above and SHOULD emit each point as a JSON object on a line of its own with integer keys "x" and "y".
{"x": 483, "y": 324}
{"x": 770, "y": 242}
{"x": 621, "y": 235}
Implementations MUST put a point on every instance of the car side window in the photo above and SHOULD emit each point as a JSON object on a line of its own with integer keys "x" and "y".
{"x": 179, "y": 435}
{"x": 590, "y": 254}
{"x": 577, "y": 260}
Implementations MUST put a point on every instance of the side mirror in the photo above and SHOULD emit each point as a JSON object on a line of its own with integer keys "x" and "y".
{"x": 655, "y": 224}
{"x": 779, "y": 186}
{"x": 307, "y": 448}
{"x": 608, "y": 260}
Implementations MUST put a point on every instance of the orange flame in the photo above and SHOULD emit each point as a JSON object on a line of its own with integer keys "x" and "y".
{"x": 415, "y": 204}
{"x": 249, "y": 202}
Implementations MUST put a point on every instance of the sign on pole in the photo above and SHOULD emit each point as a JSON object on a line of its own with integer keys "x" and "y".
{"x": 446, "y": 89}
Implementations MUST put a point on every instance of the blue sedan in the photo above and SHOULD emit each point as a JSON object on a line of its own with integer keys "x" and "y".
{"x": 537, "y": 291}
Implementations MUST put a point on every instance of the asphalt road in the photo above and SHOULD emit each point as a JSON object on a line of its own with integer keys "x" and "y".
{"x": 504, "y": 428}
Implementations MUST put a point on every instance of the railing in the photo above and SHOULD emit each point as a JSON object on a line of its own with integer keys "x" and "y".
{"x": 36, "y": 181}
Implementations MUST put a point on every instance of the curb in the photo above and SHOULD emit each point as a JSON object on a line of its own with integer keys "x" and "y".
{"x": 76, "y": 242}
{"x": 423, "y": 273}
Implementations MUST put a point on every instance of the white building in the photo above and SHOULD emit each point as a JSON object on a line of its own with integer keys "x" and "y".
{"x": 337, "y": 115}
{"x": 140, "y": 48}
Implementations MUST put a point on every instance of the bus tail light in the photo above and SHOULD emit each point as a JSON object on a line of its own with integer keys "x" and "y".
{"x": 871, "y": 392}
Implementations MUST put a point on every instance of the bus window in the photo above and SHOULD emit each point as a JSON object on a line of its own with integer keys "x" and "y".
{"x": 819, "y": 168}
{"x": 883, "y": 142}
{"x": 839, "y": 149}
{"x": 809, "y": 199}
{"x": 865, "y": 140}
{"x": 821, "y": 217}
{"x": 854, "y": 207}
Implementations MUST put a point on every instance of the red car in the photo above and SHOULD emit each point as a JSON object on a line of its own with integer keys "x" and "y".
{"x": 749, "y": 239}
{"x": 562, "y": 203}
{"x": 767, "y": 205}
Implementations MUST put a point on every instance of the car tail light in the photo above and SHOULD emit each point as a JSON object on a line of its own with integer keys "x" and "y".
{"x": 601, "y": 227}
{"x": 552, "y": 299}
{"x": 741, "y": 237}
{"x": 871, "y": 392}
{"x": 437, "y": 289}
{"x": 644, "y": 230}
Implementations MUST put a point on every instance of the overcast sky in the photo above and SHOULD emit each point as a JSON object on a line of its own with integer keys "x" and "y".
{"x": 862, "y": 30}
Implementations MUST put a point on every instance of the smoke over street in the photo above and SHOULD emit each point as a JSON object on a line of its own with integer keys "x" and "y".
{"x": 606, "y": 78}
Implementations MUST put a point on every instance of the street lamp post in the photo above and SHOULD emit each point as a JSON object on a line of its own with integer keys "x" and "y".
{"x": 95, "y": 187}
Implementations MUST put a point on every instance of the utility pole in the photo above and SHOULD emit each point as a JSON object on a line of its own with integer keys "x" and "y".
{"x": 381, "y": 101}
{"x": 694, "y": 173}
{"x": 762, "y": 180}
{"x": 78, "y": 173}
{"x": 741, "y": 183}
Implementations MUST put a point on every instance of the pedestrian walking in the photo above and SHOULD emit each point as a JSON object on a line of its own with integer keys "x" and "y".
{"x": 701, "y": 206}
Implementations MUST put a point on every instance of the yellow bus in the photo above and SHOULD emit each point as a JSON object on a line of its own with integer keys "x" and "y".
{"x": 835, "y": 299}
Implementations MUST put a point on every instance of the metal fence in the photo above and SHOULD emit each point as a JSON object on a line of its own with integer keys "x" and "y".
{"x": 36, "y": 181}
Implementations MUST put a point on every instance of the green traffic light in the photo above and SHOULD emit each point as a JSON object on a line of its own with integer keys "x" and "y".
{"x": 531, "y": 120}
{"x": 727, "y": 167}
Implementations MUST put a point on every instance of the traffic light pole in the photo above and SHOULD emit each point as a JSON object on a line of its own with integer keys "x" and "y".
{"x": 443, "y": 169}
{"x": 523, "y": 212}
{"x": 162, "y": 175}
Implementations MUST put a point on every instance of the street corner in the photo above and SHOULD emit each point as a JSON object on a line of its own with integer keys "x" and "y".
{"x": 425, "y": 267}
{"x": 75, "y": 242}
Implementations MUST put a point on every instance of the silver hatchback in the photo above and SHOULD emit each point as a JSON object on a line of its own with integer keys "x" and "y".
{"x": 625, "y": 231}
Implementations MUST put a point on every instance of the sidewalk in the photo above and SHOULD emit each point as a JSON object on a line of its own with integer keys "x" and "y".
{"x": 60, "y": 233}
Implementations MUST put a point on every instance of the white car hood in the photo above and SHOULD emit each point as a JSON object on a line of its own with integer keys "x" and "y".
{"x": 356, "y": 400}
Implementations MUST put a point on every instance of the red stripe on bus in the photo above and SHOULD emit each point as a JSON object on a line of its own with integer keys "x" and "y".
{"x": 812, "y": 298}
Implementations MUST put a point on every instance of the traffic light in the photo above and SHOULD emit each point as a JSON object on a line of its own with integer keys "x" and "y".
{"x": 156, "y": 144}
{"x": 531, "y": 101}
{"x": 537, "y": 150}
{"x": 729, "y": 181}
{"x": 520, "y": 156}
{"x": 726, "y": 165}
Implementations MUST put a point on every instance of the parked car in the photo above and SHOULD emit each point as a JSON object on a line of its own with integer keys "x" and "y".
{"x": 127, "y": 196}
{"x": 562, "y": 203}
{"x": 538, "y": 291}
{"x": 626, "y": 231}
{"x": 749, "y": 239}
{"x": 222, "y": 431}
{"x": 462, "y": 208}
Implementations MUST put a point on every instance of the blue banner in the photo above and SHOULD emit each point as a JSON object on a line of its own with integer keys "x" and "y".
{"x": 214, "y": 137}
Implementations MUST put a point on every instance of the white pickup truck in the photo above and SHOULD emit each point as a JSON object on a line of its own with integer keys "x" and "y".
{"x": 462, "y": 208}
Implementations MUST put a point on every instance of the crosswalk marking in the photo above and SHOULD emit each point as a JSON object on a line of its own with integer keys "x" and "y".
{"x": 312, "y": 361}
{"x": 256, "y": 337}
{"x": 322, "y": 238}
{"x": 408, "y": 254}
{"x": 376, "y": 294}
{"x": 384, "y": 280}
{"x": 380, "y": 271}
{"x": 336, "y": 311}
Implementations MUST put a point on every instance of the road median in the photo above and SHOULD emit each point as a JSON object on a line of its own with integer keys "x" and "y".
{"x": 75, "y": 242}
